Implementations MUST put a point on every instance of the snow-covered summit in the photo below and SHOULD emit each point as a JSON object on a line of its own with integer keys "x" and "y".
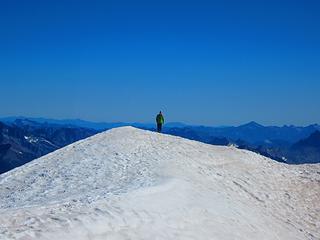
{"x": 127, "y": 183}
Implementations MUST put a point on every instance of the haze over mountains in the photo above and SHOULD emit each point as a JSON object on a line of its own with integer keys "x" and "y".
{"x": 24, "y": 139}
{"x": 87, "y": 124}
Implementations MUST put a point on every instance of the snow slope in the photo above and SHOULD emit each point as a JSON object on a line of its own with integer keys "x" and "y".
{"x": 134, "y": 184}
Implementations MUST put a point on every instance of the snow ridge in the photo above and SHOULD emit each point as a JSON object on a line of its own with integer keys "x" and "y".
{"x": 127, "y": 183}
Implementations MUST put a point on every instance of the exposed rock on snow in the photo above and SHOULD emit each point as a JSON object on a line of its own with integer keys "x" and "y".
{"x": 133, "y": 184}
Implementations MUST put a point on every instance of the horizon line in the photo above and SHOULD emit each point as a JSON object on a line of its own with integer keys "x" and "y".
{"x": 12, "y": 117}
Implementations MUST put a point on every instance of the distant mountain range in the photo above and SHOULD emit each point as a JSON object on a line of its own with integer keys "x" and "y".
{"x": 306, "y": 150}
{"x": 252, "y": 133}
{"x": 86, "y": 124}
{"x": 290, "y": 144}
{"x": 24, "y": 139}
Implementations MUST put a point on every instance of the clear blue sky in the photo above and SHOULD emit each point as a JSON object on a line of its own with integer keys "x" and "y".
{"x": 201, "y": 62}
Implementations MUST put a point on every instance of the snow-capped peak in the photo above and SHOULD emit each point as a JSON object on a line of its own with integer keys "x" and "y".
{"x": 127, "y": 183}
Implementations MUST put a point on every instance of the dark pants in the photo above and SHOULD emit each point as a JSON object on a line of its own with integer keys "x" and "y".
{"x": 159, "y": 127}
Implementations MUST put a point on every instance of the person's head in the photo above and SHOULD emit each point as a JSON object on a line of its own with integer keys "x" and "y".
{"x": 160, "y": 112}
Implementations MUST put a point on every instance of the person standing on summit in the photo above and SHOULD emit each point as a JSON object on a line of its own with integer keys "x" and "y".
{"x": 160, "y": 121}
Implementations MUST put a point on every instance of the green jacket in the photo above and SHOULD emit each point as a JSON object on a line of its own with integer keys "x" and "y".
{"x": 160, "y": 119}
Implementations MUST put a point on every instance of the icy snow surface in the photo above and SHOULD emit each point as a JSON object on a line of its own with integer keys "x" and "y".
{"x": 134, "y": 184}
